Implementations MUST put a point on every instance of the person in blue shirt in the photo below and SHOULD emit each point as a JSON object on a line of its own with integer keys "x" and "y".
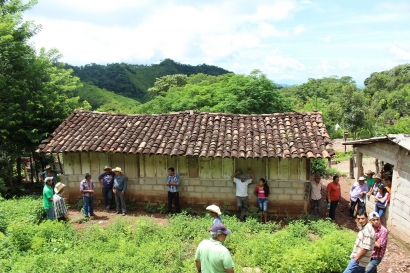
{"x": 119, "y": 189}
{"x": 49, "y": 172}
{"x": 173, "y": 194}
{"x": 106, "y": 182}
{"x": 215, "y": 213}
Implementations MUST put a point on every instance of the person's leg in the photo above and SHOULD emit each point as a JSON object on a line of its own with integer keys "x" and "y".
{"x": 86, "y": 200}
{"x": 239, "y": 205}
{"x": 105, "y": 198}
{"x": 381, "y": 211}
{"x": 372, "y": 266}
{"x": 109, "y": 197}
{"x": 50, "y": 214}
{"x": 353, "y": 267}
{"x": 123, "y": 204}
{"x": 170, "y": 197}
{"x": 265, "y": 210}
{"x": 317, "y": 207}
{"x": 312, "y": 207}
{"x": 118, "y": 202}
{"x": 91, "y": 206}
{"x": 352, "y": 208}
{"x": 176, "y": 201}
{"x": 332, "y": 210}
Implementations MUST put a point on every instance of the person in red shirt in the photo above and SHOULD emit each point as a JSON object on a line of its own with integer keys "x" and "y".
{"x": 333, "y": 195}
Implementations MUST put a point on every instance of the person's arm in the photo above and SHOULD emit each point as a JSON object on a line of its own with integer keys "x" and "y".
{"x": 328, "y": 192}
{"x": 251, "y": 174}
{"x": 229, "y": 270}
{"x": 124, "y": 188}
{"x": 360, "y": 254}
{"x": 383, "y": 199}
{"x": 235, "y": 173}
{"x": 198, "y": 265}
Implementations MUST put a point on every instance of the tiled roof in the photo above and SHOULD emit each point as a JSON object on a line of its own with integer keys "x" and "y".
{"x": 191, "y": 133}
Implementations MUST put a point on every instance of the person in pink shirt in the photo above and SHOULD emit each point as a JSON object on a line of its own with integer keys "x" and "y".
{"x": 381, "y": 200}
{"x": 262, "y": 192}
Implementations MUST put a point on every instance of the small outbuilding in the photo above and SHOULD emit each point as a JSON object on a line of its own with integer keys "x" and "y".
{"x": 393, "y": 149}
{"x": 204, "y": 148}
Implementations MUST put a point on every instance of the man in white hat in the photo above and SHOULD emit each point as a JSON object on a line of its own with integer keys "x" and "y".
{"x": 119, "y": 189}
{"x": 214, "y": 212}
{"x": 357, "y": 193}
{"x": 380, "y": 243}
{"x": 60, "y": 208}
{"x": 242, "y": 191}
{"x": 48, "y": 198}
{"x": 211, "y": 255}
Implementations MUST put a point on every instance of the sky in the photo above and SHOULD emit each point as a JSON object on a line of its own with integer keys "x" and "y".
{"x": 288, "y": 40}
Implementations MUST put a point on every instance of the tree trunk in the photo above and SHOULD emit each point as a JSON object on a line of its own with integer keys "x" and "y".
{"x": 19, "y": 170}
{"x": 377, "y": 166}
{"x": 35, "y": 168}
{"x": 10, "y": 173}
{"x": 31, "y": 170}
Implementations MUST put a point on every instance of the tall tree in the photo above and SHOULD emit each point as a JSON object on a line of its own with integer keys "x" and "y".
{"x": 36, "y": 90}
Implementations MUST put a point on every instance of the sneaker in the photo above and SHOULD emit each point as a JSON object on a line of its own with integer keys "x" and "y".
{"x": 107, "y": 208}
{"x": 118, "y": 212}
{"x": 123, "y": 214}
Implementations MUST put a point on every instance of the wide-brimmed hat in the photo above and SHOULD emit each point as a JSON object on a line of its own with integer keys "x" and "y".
{"x": 117, "y": 169}
{"x": 214, "y": 208}
{"x": 377, "y": 176}
{"x": 373, "y": 215}
{"x": 220, "y": 228}
{"x": 362, "y": 178}
{"x": 48, "y": 167}
{"x": 370, "y": 172}
{"x": 59, "y": 186}
{"x": 107, "y": 167}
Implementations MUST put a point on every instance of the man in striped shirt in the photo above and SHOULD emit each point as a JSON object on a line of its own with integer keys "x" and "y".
{"x": 60, "y": 208}
{"x": 380, "y": 243}
{"x": 363, "y": 247}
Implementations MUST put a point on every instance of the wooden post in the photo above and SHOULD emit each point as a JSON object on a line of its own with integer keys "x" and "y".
{"x": 351, "y": 168}
{"x": 377, "y": 166}
{"x": 359, "y": 164}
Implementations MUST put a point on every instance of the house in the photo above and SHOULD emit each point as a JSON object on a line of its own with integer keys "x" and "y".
{"x": 395, "y": 150}
{"x": 204, "y": 148}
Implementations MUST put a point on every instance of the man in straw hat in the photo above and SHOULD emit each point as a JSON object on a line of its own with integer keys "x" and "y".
{"x": 106, "y": 180}
{"x": 215, "y": 213}
{"x": 377, "y": 182}
{"x": 60, "y": 208}
{"x": 119, "y": 189}
{"x": 49, "y": 172}
{"x": 211, "y": 255}
{"x": 48, "y": 198}
{"x": 357, "y": 194}
{"x": 370, "y": 179}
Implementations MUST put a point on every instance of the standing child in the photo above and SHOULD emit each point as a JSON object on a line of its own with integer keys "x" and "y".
{"x": 215, "y": 213}
{"x": 87, "y": 189}
{"x": 262, "y": 192}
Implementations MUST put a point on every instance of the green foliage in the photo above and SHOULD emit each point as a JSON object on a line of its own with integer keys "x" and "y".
{"x": 133, "y": 81}
{"x": 161, "y": 208}
{"x": 80, "y": 204}
{"x": 302, "y": 246}
{"x": 318, "y": 165}
{"x": 149, "y": 207}
{"x": 163, "y": 84}
{"x": 132, "y": 205}
{"x": 229, "y": 93}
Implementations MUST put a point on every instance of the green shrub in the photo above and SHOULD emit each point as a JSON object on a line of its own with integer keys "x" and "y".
{"x": 150, "y": 208}
{"x": 161, "y": 208}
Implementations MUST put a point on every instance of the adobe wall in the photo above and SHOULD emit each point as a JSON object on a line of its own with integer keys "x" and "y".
{"x": 204, "y": 181}
{"x": 397, "y": 218}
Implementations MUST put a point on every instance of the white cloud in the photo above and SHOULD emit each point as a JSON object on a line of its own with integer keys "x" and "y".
{"x": 326, "y": 39}
{"x": 101, "y": 6}
{"x": 400, "y": 51}
{"x": 325, "y": 67}
{"x": 278, "y": 10}
{"x": 266, "y": 30}
{"x": 298, "y": 29}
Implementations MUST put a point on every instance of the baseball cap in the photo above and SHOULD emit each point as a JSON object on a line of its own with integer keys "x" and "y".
{"x": 220, "y": 228}
{"x": 373, "y": 215}
{"x": 48, "y": 179}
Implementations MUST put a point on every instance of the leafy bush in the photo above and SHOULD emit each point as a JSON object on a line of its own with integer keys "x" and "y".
{"x": 161, "y": 208}
{"x": 150, "y": 208}
{"x": 302, "y": 246}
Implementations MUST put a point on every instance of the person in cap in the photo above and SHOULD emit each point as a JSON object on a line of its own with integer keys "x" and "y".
{"x": 370, "y": 179}
{"x": 106, "y": 180}
{"x": 381, "y": 200}
{"x": 60, "y": 208}
{"x": 334, "y": 193}
{"x": 377, "y": 183}
{"x": 380, "y": 244}
{"x": 172, "y": 183}
{"x": 363, "y": 246}
{"x": 87, "y": 189}
{"x": 316, "y": 188}
{"x": 242, "y": 191}
{"x": 262, "y": 192}
{"x": 211, "y": 255}
{"x": 357, "y": 192}
{"x": 49, "y": 172}
{"x": 119, "y": 189}
{"x": 48, "y": 198}
{"x": 214, "y": 212}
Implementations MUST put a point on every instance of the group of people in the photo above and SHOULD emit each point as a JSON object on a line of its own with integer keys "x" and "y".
{"x": 333, "y": 194}
{"x": 53, "y": 201}
{"x": 370, "y": 245}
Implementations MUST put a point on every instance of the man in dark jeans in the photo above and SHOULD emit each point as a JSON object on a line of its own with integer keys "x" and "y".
{"x": 107, "y": 181}
{"x": 173, "y": 194}
{"x": 333, "y": 195}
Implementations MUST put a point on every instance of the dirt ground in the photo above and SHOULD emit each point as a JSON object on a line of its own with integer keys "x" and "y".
{"x": 396, "y": 259}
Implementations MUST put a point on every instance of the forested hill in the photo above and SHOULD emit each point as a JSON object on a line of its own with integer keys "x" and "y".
{"x": 133, "y": 81}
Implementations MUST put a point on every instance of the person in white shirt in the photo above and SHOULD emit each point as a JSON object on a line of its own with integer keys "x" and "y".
{"x": 242, "y": 191}
{"x": 316, "y": 188}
